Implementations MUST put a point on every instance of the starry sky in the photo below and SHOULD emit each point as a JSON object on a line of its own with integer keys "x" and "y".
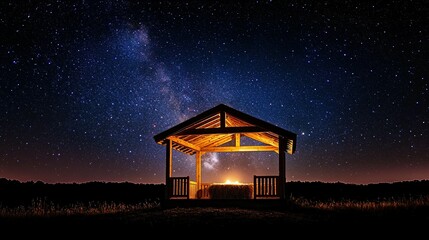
{"x": 85, "y": 85}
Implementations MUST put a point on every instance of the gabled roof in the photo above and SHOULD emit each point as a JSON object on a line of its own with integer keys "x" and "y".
{"x": 218, "y": 126}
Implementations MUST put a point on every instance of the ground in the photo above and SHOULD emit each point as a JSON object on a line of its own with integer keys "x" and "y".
{"x": 225, "y": 217}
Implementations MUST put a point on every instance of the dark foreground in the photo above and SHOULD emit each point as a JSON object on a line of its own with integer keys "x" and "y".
{"x": 233, "y": 216}
{"x": 385, "y": 207}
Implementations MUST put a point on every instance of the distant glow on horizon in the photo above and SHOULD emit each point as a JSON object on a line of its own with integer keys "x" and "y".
{"x": 229, "y": 182}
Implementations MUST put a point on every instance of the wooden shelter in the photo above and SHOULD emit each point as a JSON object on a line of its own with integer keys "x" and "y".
{"x": 210, "y": 131}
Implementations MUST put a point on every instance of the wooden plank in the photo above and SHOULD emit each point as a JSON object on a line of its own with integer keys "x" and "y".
{"x": 227, "y": 121}
{"x": 204, "y": 123}
{"x": 238, "y": 123}
{"x": 239, "y": 149}
{"x": 188, "y": 151}
{"x": 211, "y": 125}
{"x": 210, "y": 139}
{"x": 258, "y": 122}
{"x": 192, "y": 138}
{"x": 293, "y": 143}
{"x": 184, "y": 143}
{"x": 179, "y": 147}
{"x": 220, "y": 141}
{"x": 189, "y": 123}
{"x": 214, "y": 122}
{"x": 226, "y": 130}
{"x": 183, "y": 149}
{"x": 237, "y": 139}
{"x": 262, "y": 138}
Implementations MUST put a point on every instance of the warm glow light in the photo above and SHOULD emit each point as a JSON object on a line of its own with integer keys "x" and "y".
{"x": 231, "y": 182}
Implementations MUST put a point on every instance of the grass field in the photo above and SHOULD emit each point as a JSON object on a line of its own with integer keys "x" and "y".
{"x": 152, "y": 214}
{"x": 43, "y": 208}
{"x": 127, "y": 204}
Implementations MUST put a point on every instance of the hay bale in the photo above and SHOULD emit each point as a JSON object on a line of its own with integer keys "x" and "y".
{"x": 230, "y": 191}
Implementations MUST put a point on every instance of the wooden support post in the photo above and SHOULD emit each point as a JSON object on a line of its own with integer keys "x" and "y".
{"x": 282, "y": 168}
{"x": 198, "y": 173}
{"x": 222, "y": 119}
{"x": 168, "y": 167}
{"x": 237, "y": 139}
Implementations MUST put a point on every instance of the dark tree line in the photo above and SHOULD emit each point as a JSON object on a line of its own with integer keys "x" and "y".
{"x": 340, "y": 191}
{"x": 14, "y": 193}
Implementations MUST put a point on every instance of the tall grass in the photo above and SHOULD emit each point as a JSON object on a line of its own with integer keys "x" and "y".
{"x": 382, "y": 204}
{"x": 42, "y": 207}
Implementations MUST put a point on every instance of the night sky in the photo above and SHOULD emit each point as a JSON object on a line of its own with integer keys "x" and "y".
{"x": 85, "y": 86}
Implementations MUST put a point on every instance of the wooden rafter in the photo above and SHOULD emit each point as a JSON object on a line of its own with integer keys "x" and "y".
{"x": 228, "y": 122}
{"x": 184, "y": 143}
{"x": 191, "y": 138}
{"x": 220, "y": 141}
{"x": 214, "y": 122}
{"x": 211, "y": 139}
{"x": 211, "y": 125}
{"x": 204, "y": 121}
{"x": 240, "y": 149}
{"x": 238, "y": 123}
{"x": 262, "y": 139}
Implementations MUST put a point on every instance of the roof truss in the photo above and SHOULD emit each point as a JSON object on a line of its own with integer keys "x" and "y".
{"x": 208, "y": 131}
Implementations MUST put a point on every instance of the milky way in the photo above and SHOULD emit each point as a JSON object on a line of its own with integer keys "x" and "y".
{"x": 85, "y": 87}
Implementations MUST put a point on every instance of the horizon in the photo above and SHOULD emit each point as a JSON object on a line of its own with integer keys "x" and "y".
{"x": 86, "y": 86}
{"x": 287, "y": 181}
{"x": 162, "y": 183}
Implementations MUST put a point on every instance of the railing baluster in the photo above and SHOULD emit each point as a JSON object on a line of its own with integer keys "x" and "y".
{"x": 265, "y": 186}
{"x": 181, "y": 187}
{"x": 187, "y": 186}
{"x": 173, "y": 186}
{"x": 275, "y": 186}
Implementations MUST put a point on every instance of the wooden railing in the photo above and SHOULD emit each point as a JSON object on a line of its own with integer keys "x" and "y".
{"x": 182, "y": 187}
{"x": 265, "y": 186}
{"x": 204, "y": 191}
{"x": 179, "y": 187}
